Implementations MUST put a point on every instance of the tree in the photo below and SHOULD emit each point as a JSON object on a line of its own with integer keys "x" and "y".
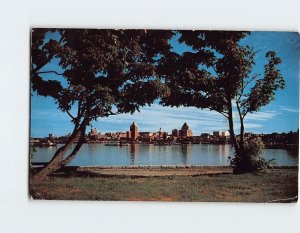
{"x": 217, "y": 74}
{"x": 104, "y": 72}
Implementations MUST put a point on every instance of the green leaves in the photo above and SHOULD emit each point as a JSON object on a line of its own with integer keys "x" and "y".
{"x": 46, "y": 88}
{"x": 140, "y": 93}
{"x": 264, "y": 89}
{"x": 218, "y": 71}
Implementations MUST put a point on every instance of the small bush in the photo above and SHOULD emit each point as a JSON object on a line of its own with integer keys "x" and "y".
{"x": 249, "y": 159}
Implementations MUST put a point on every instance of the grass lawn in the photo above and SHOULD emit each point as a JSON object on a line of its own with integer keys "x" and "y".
{"x": 274, "y": 184}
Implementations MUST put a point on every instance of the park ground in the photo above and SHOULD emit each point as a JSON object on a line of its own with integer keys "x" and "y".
{"x": 200, "y": 184}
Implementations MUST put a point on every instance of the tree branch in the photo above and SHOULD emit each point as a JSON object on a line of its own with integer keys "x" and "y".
{"x": 253, "y": 77}
{"x": 224, "y": 114}
{"x": 70, "y": 115}
{"x": 113, "y": 113}
{"x": 61, "y": 39}
{"x": 245, "y": 114}
{"x": 51, "y": 71}
{"x": 241, "y": 93}
{"x": 244, "y": 85}
{"x": 213, "y": 66}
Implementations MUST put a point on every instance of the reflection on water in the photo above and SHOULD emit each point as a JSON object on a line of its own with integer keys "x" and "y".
{"x": 133, "y": 153}
{"x": 184, "y": 153}
{"x": 138, "y": 154}
{"x": 220, "y": 152}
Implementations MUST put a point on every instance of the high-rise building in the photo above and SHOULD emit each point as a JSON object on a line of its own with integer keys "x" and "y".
{"x": 134, "y": 130}
{"x": 185, "y": 131}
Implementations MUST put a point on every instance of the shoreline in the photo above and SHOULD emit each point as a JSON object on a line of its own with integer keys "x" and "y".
{"x": 149, "y": 171}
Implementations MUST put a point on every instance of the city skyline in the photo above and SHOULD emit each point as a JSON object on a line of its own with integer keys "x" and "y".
{"x": 281, "y": 115}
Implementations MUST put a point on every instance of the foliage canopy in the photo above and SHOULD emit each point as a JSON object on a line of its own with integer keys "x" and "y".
{"x": 218, "y": 74}
{"x": 103, "y": 72}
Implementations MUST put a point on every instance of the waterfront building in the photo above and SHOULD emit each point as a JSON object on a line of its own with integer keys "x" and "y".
{"x": 225, "y": 134}
{"x": 93, "y": 134}
{"x": 134, "y": 130}
{"x": 122, "y": 135}
{"x": 175, "y": 133}
{"x": 128, "y": 134}
{"x": 217, "y": 133}
{"x": 160, "y": 133}
{"x": 185, "y": 131}
{"x": 146, "y": 135}
{"x": 205, "y": 136}
{"x": 94, "y": 131}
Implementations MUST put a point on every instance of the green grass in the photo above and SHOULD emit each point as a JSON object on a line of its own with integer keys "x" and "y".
{"x": 275, "y": 184}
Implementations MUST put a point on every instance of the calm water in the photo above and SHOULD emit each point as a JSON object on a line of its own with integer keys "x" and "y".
{"x": 101, "y": 155}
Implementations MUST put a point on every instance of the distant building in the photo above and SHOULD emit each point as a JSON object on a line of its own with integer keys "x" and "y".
{"x": 94, "y": 131}
{"x": 221, "y": 134}
{"x": 175, "y": 133}
{"x": 134, "y": 130}
{"x": 185, "y": 131}
{"x": 217, "y": 133}
{"x": 93, "y": 134}
{"x": 146, "y": 135}
{"x": 225, "y": 134}
{"x": 122, "y": 135}
{"x": 205, "y": 136}
{"x": 160, "y": 133}
{"x": 128, "y": 134}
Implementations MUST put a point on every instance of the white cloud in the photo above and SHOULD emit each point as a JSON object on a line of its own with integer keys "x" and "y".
{"x": 168, "y": 118}
{"x": 262, "y": 116}
{"x": 289, "y": 109}
{"x": 253, "y": 125}
{"x": 151, "y": 118}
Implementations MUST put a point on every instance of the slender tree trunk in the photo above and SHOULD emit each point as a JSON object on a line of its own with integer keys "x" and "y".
{"x": 242, "y": 133}
{"x": 242, "y": 129}
{"x": 231, "y": 128}
{"x": 57, "y": 161}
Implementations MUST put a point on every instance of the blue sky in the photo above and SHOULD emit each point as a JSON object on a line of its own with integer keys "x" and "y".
{"x": 281, "y": 115}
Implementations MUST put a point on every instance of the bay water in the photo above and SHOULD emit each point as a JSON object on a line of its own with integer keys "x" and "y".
{"x": 149, "y": 154}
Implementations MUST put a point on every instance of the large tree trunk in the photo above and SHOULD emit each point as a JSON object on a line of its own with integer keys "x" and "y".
{"x": 58, "y": 160}
{"x": 72, "y": 155}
